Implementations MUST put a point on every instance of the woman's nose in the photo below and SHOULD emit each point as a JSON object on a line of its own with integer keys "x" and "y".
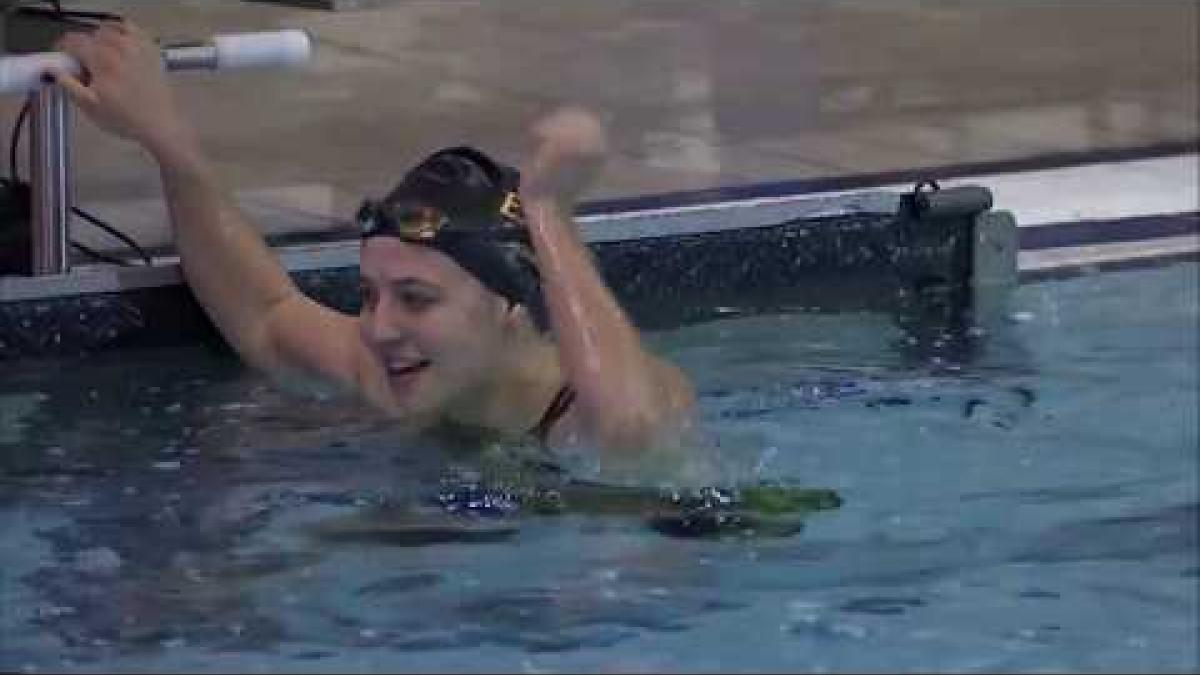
{"x": 386, "y": 323}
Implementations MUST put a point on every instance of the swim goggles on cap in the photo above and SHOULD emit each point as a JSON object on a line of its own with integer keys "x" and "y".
{"x": 419, "y": 223}
{"x": 422, "y": 223}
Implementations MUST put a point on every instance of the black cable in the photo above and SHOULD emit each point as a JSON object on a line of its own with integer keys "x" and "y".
{"x": 15, "y": 139}
{"x": 75, "y": 17}
{"x": 56, "y": 4}
{"x": 98, "y": 255}
{"x": 126, "y": 239}
{"x": 15, "y": 179}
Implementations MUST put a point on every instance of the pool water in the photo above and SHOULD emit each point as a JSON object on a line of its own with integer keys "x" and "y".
{"x": 1032, "y": 508}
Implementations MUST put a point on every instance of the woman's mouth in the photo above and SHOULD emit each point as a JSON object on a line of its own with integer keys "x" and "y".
{"x": 402, "y": 375}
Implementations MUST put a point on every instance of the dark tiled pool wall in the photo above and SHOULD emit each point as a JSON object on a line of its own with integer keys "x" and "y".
{"x": 845, "y": 263}
{"x": 914, "y": 269}
{"x": 85, "y": 324}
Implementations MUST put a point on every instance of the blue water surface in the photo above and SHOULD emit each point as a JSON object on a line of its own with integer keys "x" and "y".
{"x": 1030, "y": 508}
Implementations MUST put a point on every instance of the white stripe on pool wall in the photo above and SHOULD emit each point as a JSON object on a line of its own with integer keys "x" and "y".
{"x": 1045, "y": 260}
{"x": 1145, "y": 187}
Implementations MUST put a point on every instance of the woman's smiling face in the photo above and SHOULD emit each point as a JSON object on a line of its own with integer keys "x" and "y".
{"x": 436, "y": 330}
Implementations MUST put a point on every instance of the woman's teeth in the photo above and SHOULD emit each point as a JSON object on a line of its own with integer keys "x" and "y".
{"x": 404, "y": 367}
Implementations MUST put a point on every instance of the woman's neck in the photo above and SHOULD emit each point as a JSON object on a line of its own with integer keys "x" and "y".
{"x": 516, "y": 396}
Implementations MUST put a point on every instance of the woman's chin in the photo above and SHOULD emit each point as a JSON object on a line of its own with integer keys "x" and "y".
{"x": 415, "y": 402}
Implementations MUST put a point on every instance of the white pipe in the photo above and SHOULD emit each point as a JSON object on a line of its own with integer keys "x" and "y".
{"x": 277, "y": 49}
{"x": 24, "y": 73}
{"x": 282, "y": 48}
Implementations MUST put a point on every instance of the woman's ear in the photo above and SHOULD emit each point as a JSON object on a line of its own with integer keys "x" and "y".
{"x": 516, "y": 316}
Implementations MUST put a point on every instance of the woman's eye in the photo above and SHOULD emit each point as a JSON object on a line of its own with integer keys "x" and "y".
{"x": 417, "y": 301}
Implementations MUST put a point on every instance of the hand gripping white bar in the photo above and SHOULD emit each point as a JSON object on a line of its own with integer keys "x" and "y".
{"x": 282, "y": 48}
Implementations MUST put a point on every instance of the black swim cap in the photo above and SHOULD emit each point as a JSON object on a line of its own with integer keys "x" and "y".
{"x": 464, "y": 204}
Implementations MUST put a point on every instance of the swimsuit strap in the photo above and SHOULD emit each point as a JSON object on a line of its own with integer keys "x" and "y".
{"x": 557, "y": 408}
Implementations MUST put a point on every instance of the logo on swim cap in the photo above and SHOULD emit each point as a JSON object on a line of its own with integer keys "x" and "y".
{"x": 511, "y": 208}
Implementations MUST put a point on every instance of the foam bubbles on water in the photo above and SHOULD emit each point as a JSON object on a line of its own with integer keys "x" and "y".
{"x": 98, "y": 561}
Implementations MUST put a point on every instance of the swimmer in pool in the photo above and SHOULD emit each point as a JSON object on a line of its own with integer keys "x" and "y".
{"x": 482, "y": 309}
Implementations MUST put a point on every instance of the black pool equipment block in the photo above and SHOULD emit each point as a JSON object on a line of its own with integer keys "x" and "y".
{"x": 929, "y": 201}
{"x": 954, "y": 282}
{"x": 16, "y": 245}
